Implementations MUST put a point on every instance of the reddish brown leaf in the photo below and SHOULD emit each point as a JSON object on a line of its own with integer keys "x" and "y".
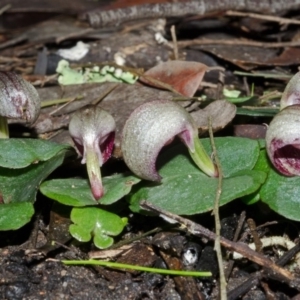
{"x": 183, "y": 76}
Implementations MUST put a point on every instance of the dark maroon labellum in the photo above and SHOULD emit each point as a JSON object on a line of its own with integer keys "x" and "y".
{"x": 286, "y": 156}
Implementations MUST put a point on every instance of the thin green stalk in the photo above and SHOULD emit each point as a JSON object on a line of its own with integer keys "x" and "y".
{"x": 137, "y": 268}
{"x": 223, "y": 283}
{"x": 4, "y": 132}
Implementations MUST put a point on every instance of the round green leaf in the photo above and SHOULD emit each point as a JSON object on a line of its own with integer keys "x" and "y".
{"x": 73, "y": 192}
{"x": 195, "y": 193}
{"x": 20, "y": 153}
{"x": 15, "y": 215}
{"x": 77, "y": 192}
{"x": 281, "y": 193}
{"x": 97, "y": 223}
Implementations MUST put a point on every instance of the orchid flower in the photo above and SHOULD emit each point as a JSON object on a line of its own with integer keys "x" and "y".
{"x": 153, "y": 125}
{"x": 283, "y": 141}
{"x": 283, "y": 133}
{"x": 18, "y": 100}
{"x": 93, "y": 131}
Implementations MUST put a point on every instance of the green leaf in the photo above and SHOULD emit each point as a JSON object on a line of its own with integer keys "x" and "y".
{"x": 21, "y": 185}
{"x": 236, "y": 154}
{"x": 257, "y": 111}
{"x": 195, "y": 193}
{"x": 77, "y": 192}
{"x": 15, "y": 215}
{"x": 97, "y": 223}
{"x": 20, "y": 153}
{"x": 240, "y": 99}
{"x": 262, "y": 164}
{"x": 281, "y": 193}
{"x": 252, "y": 198}
{"x": 186, "y": 190}
{"x": 231, "y": 93}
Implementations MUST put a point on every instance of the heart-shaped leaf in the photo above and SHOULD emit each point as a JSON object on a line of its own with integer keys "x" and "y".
{"x": 281, "y": 193}
{"x": 15, "y": 215}
{"x": 77, "y": 192}
{"x": 183, "y": 76}
{"x": 97, "y": 223}
{"x": 186, "y": 190}
{"x": 20, "y": 153}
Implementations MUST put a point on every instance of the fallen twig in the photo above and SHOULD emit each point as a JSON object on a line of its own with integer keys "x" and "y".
{"x": 263, "y": 17}
{"x": 101, "y": 18}
{"x": 237, "y": 42}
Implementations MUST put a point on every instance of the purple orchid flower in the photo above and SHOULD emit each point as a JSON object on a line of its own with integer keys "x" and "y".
{"x": 93, "y": 131}
{"x": 283, "y": 141}
{"x": 153, "y": 125}
{"x": 282, "y": 137}
{"x": 19, "y": 100}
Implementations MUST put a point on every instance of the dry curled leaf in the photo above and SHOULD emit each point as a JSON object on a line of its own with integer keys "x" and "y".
{"x": 182, "y": 76}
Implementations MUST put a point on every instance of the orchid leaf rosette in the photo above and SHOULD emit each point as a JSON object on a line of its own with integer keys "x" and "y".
{"x": 93, "y": 131}
{"x": 154, "y": 125}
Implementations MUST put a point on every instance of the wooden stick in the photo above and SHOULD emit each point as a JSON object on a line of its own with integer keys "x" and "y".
{"x": 101, "y": 18}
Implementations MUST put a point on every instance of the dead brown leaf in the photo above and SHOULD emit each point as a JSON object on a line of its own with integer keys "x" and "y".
{"x": 183, "y": 76}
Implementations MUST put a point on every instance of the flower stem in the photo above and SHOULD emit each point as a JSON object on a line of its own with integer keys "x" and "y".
{"x": 4, "y": 132}
{"x": 202, "y": 160}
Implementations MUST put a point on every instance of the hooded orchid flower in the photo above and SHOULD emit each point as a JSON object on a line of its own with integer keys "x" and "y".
{"x": 93, "y": 131}
{"x": 283, "y": 134}
{"x": 153, "y": 125}
{"x": 18, "y": 100}
{"x": 283, "y": 141}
